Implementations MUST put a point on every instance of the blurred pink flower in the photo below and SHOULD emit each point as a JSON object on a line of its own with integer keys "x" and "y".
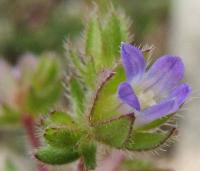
{"x": 14, "y": 80}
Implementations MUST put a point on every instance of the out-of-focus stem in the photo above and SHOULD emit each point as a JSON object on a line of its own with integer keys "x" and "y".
{"x": 113, "y": 162}
{"x": 81, "y": 165}
{"x": 29, "y": 125}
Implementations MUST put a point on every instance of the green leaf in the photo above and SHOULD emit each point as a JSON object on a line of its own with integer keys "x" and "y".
{"x": 59, "y": 118}
{"x": 40, "y": 101}
{"x": 102, "y": 36}
{"x": 90, "y": 74}
{"x": 75, "y": 59}
{"x": 62, "y": 137}
{"x": 108, "y": 132}
{"x": 141, "y": 141}
{"x": 56, "y": 156}
{"x": 113, "y": 34}
{"x": 93, "y": 42}
{"x": 154, "y": 124}
{"x": 106, "y": 102}
{"x": 93, "y": 50}
{"x": 48, "y": 71}
{"x": 45, "y": 87}
{"x": 88, "y": 152}
{"x": 77, "y": 95}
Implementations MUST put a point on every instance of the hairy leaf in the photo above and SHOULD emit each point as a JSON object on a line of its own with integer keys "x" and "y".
{"x": 88, "y": 152}
{"x": 60, "y": 119}
{"x": 154, "y": 124}
{"x": 61, "y": 136}
{"x": 75, "y": 59}
{"x": 113, "y": 34}
{"x": 93, "y": 45}
{"x": 141, "y": 141}
{"x": 106, "y": 102}
{"x": 115, "y": 132}
{"x": 77, "y": 95}
{"x": 56, "y": 156}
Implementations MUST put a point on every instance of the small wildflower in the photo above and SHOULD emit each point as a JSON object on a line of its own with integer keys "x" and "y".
{"x": 151, "y": 93}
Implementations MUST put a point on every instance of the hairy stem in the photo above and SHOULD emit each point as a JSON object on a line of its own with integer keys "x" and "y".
{"x": 29, "y": 125}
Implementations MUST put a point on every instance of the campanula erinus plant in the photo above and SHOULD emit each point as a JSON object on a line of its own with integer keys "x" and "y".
{"x": 119, "y": 102}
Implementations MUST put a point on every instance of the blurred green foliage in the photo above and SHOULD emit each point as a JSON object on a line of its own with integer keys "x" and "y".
{"x": 147, "y": 16}
{"x": 10, "y": 166}
{"x": 139, "y": 165}
{"x": 31, "y": 88}
{"x": 38, "y": 26}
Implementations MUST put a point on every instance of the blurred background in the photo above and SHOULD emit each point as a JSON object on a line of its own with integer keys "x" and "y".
{"x": 35, "y": 27}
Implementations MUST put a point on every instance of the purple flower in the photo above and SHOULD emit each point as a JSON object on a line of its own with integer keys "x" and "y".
{"x": 152, "y": 93}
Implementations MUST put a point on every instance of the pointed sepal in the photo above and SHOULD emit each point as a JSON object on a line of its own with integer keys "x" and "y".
{"x": 144, "y": 141}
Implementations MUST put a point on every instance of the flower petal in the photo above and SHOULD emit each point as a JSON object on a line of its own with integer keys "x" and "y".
{"x": 155, "y": 112}
{"x": 133, "y": 61}
{"x": 165, "y": 74}
{"x": 166, "y": 107}
{"x": 180, "y": 94}
{"x": 127, "y": 95}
